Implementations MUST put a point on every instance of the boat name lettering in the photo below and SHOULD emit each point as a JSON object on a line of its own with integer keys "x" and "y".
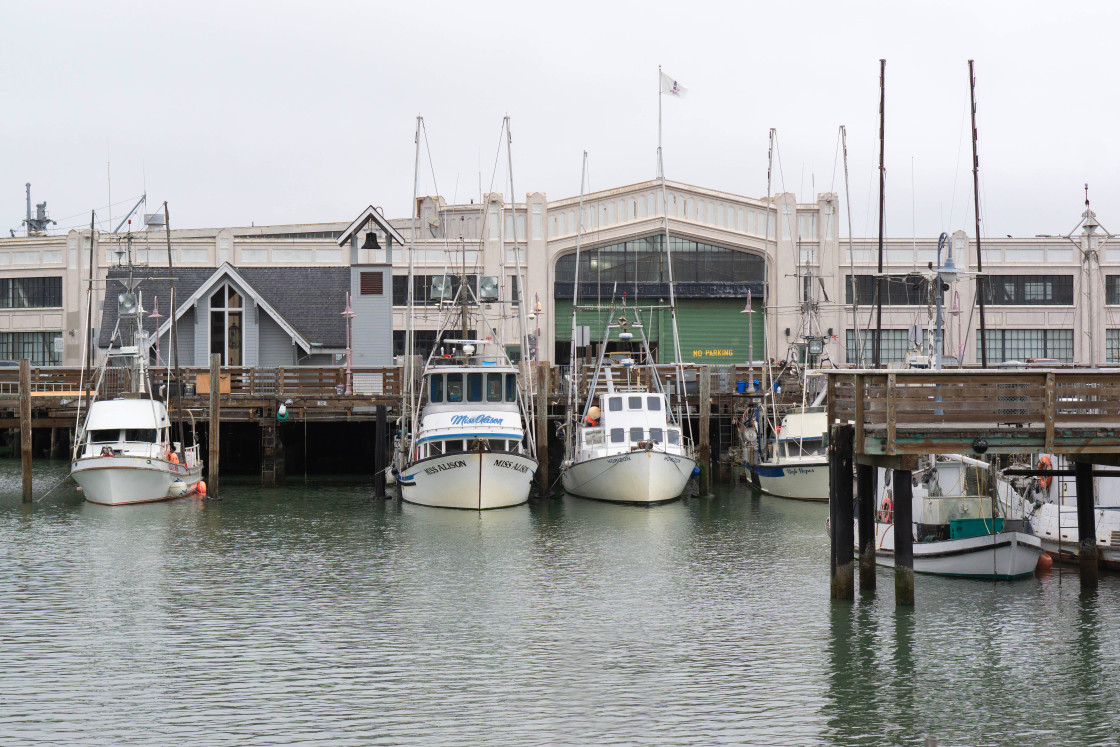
{"x": 671, "y": 459}
{"x": 510, "y": 465}
{"x": 475, "y": 420}
{"x": 434, "y": 469}
{"x": 618, "y": 460}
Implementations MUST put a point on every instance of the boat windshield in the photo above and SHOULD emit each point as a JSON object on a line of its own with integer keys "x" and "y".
{"x": 145, "y": 435}
{"x": 105, "y": 436}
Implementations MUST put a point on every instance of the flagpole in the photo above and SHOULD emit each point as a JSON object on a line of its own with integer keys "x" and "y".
{"x": 660, "y": 166}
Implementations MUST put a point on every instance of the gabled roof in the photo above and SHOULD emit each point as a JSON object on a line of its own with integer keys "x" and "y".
{"x": 306, "y": 301}
{"x": 369, "y": 214}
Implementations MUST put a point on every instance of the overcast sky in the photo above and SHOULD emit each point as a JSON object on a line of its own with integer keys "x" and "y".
{"x": 281, "y": 112}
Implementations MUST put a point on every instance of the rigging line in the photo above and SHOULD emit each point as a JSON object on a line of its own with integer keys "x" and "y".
{"x": 835, "y": 157}
{"x": 957, "y": 171}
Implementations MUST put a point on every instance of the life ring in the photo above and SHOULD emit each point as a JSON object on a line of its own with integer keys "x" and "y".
{"x": 1044, "y": 481}
{"x": 886, "y": 510}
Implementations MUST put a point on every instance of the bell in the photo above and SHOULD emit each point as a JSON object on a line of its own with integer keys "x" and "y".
{"x": 371, "y": 241}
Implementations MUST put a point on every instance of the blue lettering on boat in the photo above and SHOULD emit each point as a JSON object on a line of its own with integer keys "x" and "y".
{"x": 475, "y": 420}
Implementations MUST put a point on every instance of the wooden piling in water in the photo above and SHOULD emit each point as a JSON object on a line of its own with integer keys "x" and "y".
{"x": 903, "y": 537}
{"x": 1086, "y": 524}
{"x": 212, "y": 470}
{"x": 704, "y": 449}
{"x": 379, "y": 454}
{"x": 841, "y": 523}
{"x": 542, "y": 429}
{"x": 865, "y": 492}
{"x": 25, "y": 426}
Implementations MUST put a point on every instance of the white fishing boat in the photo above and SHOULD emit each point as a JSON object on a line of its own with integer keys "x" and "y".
{"x": 469, "y": 449}
{"x": 623, "y": 441}
{"x": 955, "y": 529}
{"x": 631, "y": 453}
{"x": 124, "y": 452}
{"x": 464, "y": 443}
{"x": 797, "y": 463}
{"x": 1050, "y": 505}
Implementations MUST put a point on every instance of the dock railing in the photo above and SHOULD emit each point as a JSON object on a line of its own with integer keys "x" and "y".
{"x": 1003, "y": 411}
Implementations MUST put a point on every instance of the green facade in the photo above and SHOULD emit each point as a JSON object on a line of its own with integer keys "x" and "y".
{"x": 712, "y": 330}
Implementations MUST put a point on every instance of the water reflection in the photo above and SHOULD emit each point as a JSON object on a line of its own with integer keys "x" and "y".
{"x": 317, "y": 613}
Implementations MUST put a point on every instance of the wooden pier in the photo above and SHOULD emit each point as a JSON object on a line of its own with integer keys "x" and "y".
{"x": 889, "y": 419}
{"x": 320, "y": 395}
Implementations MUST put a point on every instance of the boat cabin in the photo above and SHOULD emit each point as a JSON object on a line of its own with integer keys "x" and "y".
{"x": 467, "y": 407}
{"x": 127, "y": 427}
{"x": 802, "y": 435}
{"x": 628, "y": 422}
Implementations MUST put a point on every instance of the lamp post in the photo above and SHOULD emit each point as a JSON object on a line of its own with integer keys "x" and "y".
{"x": 945, "y": 273}
{"x": 750, "y": 341}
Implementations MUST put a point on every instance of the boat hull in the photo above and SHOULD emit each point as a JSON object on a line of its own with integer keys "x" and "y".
{"x": 469, "y": 480}
{"x": 1005, "y": 555}
{"x": 123, "y": 480}
{"x": 806, "y": 481}
{"x": 1057, "y": 528}
{"x": 642, "y": 477}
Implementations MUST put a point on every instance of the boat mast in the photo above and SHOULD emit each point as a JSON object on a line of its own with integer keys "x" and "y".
{"x": 681, "y": 398}
{"x": 877, "y": 343}
{"x": 174, "y": 336}
{"x": 87, "y": 358}
{"x": 851, "y": 255}
{"x": 408, "y": 403}
{"x": 766, "y": 248}
{"x": 981, "y": 285}
{"x": 529, "y": 404}
{"x": 573, "y": 368}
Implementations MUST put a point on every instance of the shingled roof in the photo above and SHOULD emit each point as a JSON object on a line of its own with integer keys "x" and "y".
{"x": 310, "y": 299}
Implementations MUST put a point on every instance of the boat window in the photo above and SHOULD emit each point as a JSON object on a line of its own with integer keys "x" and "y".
{"x": 654, "y": 404}
{"x": 104, "y": 436}
{"x": 634, "y": 403}
{"x": 474, "y": 387}
{"x": 497, "y": 444}
{"x": 618, "y": 435}
{"x": 674, "y": 436}
{"x": 454, "y": 387}
{"x": 593, "y": 437}
{"x": 636, "y": 433}
{"x": 614, "y": 404}
{"x": 147, "y": 435}
{"x": 657, "y": 434}
{"x": 511, "y": 387}
{"x": 450, "y": 446}
{"x": 493, "y": 387}
{"x": 435, "y": 448}
{"x": 436, "y": 388}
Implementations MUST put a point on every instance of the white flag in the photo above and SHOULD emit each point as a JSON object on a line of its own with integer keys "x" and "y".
{"x": 671, "y": 87}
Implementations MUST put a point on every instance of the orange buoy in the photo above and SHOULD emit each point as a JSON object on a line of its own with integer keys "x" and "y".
{"x": 1045, "y": 563}
{"x": 201, "y": 487}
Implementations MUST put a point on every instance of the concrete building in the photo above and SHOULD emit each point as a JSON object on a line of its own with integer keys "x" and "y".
{"x": 1051, "y": 296}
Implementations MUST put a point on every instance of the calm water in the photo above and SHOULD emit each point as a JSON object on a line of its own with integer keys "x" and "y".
{"x": 316, "y": 615}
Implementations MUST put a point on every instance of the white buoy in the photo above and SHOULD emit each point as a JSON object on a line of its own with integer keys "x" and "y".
{"x": 178, "y": 489}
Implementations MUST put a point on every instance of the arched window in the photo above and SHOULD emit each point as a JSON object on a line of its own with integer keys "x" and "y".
{"x": 643, "y": 261}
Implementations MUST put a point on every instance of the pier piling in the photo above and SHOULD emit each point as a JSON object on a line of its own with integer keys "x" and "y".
{"x": 865, "y": 491}
{"x": 542, "y": 429}
{"x": 215, "y": 425}
{"x": 379, "y": 459}
{"x": 840, "y": 455}
{"x": 903, "y": 537}
{"x": 704, "y": 450}
{"x": 1086, "y": 524}
{"x": 25, "y": 425}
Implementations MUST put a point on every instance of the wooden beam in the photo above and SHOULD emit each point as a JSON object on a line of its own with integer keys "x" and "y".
{"x": 899, "y": 461}
{"x": 842, "y": 584}
{"x": 25, "y": 426}
{"x": 212, "y": 470}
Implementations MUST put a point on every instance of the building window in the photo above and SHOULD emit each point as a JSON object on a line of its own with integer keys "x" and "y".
{"x": 894, "y": 346}
{"x": 1025, "y": 344}
{"x": 227, "y": 325}
{"x": 30, "y": 293}
{"x": 1112, "y": 345}
{"x": 37, "y": 347}
{"x": 1112, "y": 290}
{"x": 898, "y": 290}
{"x": 1029, "y": 290}
{"x": 643, "y": 261}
